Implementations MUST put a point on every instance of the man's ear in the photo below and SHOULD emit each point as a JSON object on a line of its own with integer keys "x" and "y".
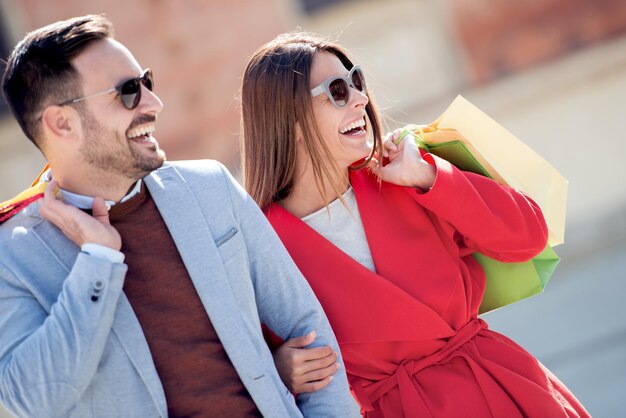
{"x": 60, "y": 122}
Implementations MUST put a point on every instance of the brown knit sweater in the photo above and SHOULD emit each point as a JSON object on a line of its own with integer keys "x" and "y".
{"x": 198, "y": 378}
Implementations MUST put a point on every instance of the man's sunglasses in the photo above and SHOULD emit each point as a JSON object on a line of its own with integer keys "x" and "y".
{"x": 129, "y": 91}
{"x": 338, "y": 88}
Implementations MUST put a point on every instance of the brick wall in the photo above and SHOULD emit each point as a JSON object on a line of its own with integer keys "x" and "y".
{"x": 501, "y": 36}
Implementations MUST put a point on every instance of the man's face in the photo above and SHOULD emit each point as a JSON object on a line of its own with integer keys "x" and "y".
{"x": 116, "y": 139}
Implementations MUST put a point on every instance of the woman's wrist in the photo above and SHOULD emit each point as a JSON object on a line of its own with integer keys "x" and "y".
{"x": 425, "y": 178}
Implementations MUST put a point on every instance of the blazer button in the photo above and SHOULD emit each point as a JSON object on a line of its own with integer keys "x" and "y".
{"x": 96, "y": 290}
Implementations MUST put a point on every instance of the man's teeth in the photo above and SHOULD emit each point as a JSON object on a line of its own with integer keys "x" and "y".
{"x": 356, "y": 124}
{"x": 141, "y": 131}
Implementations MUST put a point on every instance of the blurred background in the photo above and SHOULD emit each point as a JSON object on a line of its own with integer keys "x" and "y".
{"x": 553, "y": 72}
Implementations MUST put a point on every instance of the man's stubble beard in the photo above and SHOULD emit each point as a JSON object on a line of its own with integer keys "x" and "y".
{"x": 109, "y": 151}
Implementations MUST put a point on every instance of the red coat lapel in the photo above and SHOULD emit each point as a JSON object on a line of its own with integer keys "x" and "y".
{"x": 410, "y": 246}
{"x": 361, "y": 305}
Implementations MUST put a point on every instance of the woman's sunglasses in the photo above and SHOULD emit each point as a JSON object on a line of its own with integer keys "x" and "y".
{"x": 338, "y": 88}
{"x": 129, "y": 91}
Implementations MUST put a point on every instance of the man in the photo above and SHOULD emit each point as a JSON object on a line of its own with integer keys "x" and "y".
{"x": 135, "y": 287}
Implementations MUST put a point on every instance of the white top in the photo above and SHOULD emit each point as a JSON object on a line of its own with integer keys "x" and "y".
{"x": 343, "y": 227}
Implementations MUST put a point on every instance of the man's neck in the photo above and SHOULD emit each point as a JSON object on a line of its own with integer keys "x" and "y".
{"x": 86, "y": 202}
{"x": 112, "y": 188}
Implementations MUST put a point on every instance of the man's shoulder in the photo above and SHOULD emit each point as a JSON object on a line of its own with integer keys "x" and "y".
{"x": 16, "y": 231}
{"x": 208, "y": 180}
{"x": 10, "y": 208}
{"x": 25, "y": 217}
{"x": 197, "y": 167}
{"x": 209, "y": 174}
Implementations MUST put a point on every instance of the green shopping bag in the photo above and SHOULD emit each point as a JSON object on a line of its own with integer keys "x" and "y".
{"x": 511, "y": 282}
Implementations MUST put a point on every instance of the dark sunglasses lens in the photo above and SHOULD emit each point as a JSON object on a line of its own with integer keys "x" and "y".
{"x": 358, "y": 80}
{"x": 147, "y": 80}
{"x": 130, "y": 93}
{"x": 339, "y": 90}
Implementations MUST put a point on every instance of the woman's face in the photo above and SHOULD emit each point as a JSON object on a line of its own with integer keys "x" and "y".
{"x": 343, "y": 129}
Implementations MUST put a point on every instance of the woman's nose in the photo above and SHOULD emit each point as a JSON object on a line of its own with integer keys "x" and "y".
{"x": 358, "y": 97}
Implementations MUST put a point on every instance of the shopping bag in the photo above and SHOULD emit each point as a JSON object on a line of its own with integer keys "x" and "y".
{"x": 512, "y": 282}
{"x": 11, "y": 207}
{"x": 507, "y": 159}
{"x": 497, "y": 154}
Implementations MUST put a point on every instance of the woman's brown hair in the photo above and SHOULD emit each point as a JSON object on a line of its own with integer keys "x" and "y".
{"x": 276, "y": 95}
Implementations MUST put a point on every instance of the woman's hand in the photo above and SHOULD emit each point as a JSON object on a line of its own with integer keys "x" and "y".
{"x": 406, "y": 166}
{"x": 305, "y": 369}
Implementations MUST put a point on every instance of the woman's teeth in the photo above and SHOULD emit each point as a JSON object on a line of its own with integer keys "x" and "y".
{"x": 354, "y": 125}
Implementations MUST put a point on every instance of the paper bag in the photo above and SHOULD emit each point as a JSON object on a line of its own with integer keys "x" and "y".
{"x": 474, "y": 142}
{"x": 512, "y": 282}
{"x": 509, "y": 161}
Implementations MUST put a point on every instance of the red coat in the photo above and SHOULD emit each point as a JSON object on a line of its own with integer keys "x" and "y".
{"x": 409, "y": 334}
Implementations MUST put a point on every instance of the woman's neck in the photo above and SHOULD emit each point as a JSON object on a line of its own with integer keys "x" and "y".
{"x": 305, "y": 198}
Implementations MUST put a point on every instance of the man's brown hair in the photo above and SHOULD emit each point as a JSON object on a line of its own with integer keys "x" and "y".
{"x": 39, "y": 71}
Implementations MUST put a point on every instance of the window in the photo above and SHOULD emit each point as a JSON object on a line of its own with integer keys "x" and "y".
{"x": 314, "y": 6}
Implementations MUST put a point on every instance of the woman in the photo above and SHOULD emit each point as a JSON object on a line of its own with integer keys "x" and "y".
{"x": 387, "y": 247}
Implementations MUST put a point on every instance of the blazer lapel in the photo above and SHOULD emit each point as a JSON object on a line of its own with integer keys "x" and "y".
{"x": 187, "y": 223}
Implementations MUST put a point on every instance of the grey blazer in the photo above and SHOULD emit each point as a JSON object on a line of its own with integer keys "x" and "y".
{"x": 62, "y": 354}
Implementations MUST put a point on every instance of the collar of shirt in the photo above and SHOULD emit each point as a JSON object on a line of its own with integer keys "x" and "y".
{"x": 86, "y": 202}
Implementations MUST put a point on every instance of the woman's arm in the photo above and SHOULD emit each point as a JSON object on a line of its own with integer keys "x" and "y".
{"x": 496, "y": 220}
{"x": 305, "y": 369}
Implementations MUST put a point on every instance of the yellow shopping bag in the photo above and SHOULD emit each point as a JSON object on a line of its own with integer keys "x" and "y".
{"x": 505, "y": 158}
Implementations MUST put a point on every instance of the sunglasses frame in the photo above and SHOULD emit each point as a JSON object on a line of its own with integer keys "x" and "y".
{"x": 141, "y": 80}
{"x": 325, "y": 86}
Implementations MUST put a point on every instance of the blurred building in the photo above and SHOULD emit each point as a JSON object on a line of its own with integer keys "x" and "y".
{"x": 553, "y": 72}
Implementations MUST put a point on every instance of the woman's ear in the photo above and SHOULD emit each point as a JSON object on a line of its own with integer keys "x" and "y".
{"x": 299, "y": 136}
{"x": 60, "y": 122}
